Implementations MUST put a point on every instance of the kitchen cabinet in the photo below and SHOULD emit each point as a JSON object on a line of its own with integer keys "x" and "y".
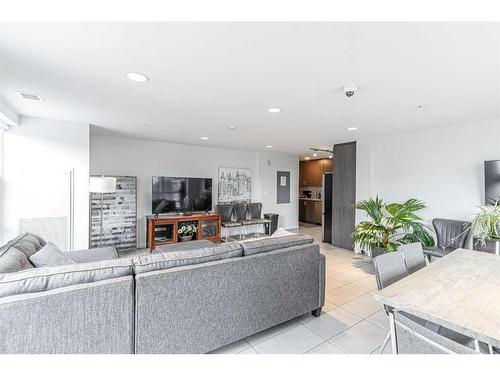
{"x": 302, "y": 210}
{"x": 310, "y": 211}
{"x": 311, "y": 171}
{"x": 318, "y": 214}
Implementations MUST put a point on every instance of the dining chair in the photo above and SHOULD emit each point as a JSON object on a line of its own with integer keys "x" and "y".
{"x": 413, "y": 255}
{"x": 389, "y": 268}
{"x": 227, "y": 222}
{"x": 450, "y": 235}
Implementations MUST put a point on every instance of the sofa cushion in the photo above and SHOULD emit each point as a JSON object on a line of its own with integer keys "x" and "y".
{"x": 148, "y": 263}
{"x": 13, "y": 260}
{"x": 49, "y": 255}
{"x": 274, "y": 243}
{"x": 48, "y": 278}
{"x": 28, "y": 243}
{"x": 188, "y": 245}
{"x": 92, "y": 255}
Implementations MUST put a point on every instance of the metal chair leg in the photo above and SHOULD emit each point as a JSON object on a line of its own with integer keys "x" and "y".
{"x": 392, "y": 324}
{"x": 386, "y": 340}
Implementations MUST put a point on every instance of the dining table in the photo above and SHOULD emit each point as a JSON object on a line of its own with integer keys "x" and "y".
{"x": 460, "y": 291}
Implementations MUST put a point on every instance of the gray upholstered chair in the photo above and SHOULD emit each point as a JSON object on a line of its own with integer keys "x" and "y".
{"x": 390, "y": 268}
{"x": 450, "y": 235}
{"x": 413, "y": 255}
{"x": 241, "y": 211}
{"x": 226, "y": 212}
{"x": 255, "y": 210}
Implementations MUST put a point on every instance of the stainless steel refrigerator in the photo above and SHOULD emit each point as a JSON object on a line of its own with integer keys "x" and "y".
{"x": 326, "y": 194}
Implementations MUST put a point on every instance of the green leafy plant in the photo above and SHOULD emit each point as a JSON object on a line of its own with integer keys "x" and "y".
{"x": 390, "y": 224}
{"x": 187, "y": 229}
{"x": 486, "y": 224}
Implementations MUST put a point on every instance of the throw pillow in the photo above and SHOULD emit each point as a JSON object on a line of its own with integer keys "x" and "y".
{"x": 49, "y": 255}
{"x": 280, "y": 232}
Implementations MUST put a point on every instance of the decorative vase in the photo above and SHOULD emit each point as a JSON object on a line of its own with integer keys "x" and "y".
{"x": 187, "y": 237}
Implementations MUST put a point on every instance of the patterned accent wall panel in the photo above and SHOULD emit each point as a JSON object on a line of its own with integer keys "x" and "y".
{"x": 119, "y": 212}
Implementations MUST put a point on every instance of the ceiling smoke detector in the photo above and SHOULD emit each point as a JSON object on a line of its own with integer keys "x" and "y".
{"x": 27, "y": 96}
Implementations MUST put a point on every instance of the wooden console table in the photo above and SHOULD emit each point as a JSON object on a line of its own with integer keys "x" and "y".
{"x": 162, "y": 230}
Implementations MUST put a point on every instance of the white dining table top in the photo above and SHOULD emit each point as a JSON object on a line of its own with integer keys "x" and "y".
{"x": 460, "y": 291}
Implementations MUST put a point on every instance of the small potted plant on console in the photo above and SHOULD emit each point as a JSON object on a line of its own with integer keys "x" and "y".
{"x": 186, "y": 231}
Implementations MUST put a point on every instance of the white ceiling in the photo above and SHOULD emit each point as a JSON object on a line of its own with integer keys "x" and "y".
{"x": 206, "y": 77}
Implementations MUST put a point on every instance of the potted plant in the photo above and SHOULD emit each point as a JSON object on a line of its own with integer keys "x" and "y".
{"x": 389, "y": 225}
{"x": 186, "y": 231}
{"x": 485, "y": 226}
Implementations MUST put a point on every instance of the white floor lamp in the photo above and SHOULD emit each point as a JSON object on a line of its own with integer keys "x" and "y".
{"x": 102, "y": 185}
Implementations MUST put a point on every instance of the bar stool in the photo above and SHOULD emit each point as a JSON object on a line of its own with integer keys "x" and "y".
{"x": 255, "y": 214}
{"x": 227, "y": 222}
{"x": 241, "y": 210}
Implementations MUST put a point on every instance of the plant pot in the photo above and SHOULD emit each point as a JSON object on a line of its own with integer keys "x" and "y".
{"x": 377, "y": 252}
{"x": 491, "y": 246}
{"x": 185, "y": 238}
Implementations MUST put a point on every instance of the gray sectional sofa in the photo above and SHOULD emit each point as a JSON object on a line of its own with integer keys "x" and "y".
{"x": 178, "y": 301}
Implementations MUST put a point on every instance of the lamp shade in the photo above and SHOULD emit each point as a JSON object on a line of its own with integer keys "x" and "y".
{"x": 102, "y": 184}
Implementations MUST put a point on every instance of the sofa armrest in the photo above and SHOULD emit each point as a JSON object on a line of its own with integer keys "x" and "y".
{"x": 322, "y": 277}
{"x": 92, "y": 255}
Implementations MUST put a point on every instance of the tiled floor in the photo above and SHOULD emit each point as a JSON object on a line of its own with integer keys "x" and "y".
{"x": 352, "y": 321}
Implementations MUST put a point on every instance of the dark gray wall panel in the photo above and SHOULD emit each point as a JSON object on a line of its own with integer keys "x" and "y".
{"x": 283, "y": 190}
{"x": 344, "y": 194}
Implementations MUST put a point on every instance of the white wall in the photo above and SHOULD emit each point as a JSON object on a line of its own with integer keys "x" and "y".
{"x": 270, "y": 163}
{"x": 144, "y": 159}
{"x": 37, "y": 158}
{"x": 443, "y": 167}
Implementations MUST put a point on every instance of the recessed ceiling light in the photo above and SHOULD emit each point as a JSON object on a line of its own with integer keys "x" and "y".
{"x": 204, "y": 138}
{"x": 269, "y": 146}
{"x": 232, "y": 128}
{"x": 147, "y": 125}
{"x": 137, "y": 77}
{"x": 307, "y": 158}
{"x": 315, "y": 154}
{"x": 274, "y": 110}
{"x": 331, "y": 156}
{"x": 352, "y": 128}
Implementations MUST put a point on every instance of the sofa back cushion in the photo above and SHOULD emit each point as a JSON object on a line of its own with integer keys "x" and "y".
{"x": 275, "y": 243}
{"x": 13, "y": 260}
{"x": 179, "y": 258}
{"x": 48, "y": 278}
{"x": 27, "y": 243}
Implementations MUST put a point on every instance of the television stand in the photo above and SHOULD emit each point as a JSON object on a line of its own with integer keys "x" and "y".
{"x": 162, "y": 230}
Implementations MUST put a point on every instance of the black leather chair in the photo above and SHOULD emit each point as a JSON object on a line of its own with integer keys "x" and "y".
{"x": 226, "y": 212}
{"x": 241, "y": 210}
{"x": 451, "y": 235}
{"x": 255, "y": 210}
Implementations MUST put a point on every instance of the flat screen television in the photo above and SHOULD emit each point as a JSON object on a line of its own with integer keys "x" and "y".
{"x": 491, "y": 181}
{"x": 181, "y": 195}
